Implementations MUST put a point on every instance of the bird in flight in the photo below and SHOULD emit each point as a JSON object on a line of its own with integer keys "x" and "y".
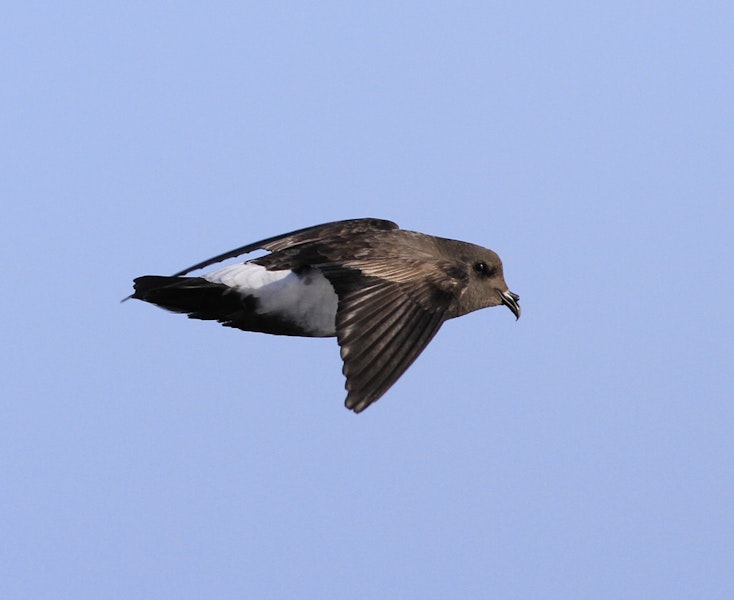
{"x": 383, "y": 292}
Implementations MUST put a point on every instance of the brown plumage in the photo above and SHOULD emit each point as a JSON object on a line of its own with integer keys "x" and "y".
{"x": 388, "y": 293}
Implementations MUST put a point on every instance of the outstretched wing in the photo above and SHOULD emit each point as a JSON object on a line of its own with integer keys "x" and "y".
{"x": 388, "y": 312}
{"x": 324, "y": 232}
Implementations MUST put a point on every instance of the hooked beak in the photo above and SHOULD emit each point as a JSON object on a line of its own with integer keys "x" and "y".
{"x": 511, "y": 301}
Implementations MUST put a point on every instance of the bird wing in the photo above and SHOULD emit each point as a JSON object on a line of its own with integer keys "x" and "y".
{"x": 324, "y": 232}
{"x": 388, "y": 312}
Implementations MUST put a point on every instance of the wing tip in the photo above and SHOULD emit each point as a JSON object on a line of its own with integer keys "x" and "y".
{"x": 357, "y": 401}
{"x": 357, "y": 405}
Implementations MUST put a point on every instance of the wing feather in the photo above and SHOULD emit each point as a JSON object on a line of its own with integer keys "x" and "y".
{"x": 381, "y": 330}
{"x": 374, "y": 329}
{"x": 422, "y": 329}
{"x": 386, "y": 352}
{"x": 307, "y": 235}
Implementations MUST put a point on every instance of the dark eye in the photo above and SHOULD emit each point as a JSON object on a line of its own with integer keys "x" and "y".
{"x": 484, "y": 269}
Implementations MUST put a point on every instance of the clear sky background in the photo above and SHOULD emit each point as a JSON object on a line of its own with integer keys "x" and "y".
{"x": 585, "y": 451}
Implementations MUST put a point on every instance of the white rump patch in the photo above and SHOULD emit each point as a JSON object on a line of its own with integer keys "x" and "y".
{"x": 307, "y": 300}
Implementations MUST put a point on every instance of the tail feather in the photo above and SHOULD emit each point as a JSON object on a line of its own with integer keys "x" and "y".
{"x": 195, "y": 296}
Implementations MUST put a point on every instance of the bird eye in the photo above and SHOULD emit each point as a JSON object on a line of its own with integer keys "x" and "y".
{"x": 484, "y": 269}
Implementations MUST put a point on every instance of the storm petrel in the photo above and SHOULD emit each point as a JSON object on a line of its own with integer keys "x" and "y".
{"x": 383, "y": 292}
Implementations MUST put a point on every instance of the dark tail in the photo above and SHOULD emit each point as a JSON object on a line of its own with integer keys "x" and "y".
{"x": 195, "y": 296}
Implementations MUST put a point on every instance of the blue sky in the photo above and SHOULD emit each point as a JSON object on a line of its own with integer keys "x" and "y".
{"x": 584, "y": 451}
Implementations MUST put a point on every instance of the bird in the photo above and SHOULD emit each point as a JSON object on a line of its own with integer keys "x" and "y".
{"x": 383, "y": 291}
